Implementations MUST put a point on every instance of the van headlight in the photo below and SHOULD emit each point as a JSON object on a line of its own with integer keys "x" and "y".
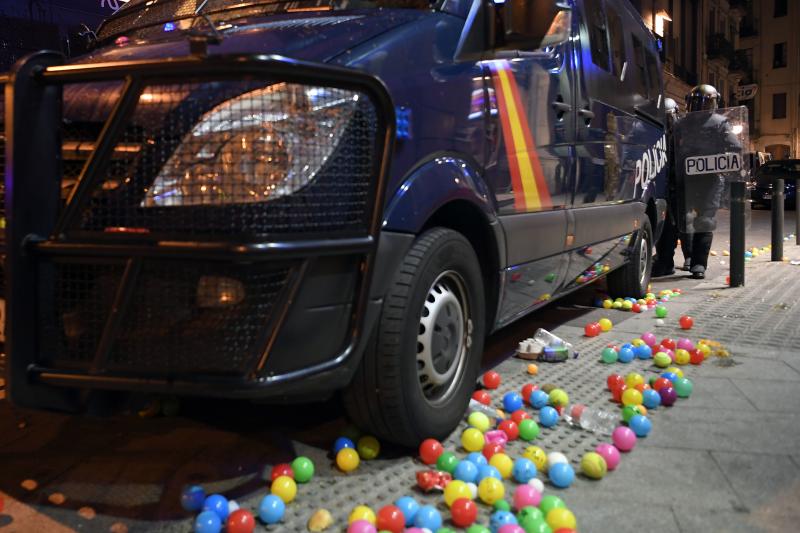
{"x": 256, "y": 147}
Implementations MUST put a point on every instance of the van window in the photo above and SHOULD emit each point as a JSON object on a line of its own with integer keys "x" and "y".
{"x": 598, "y": 41}
{"x": 639, "y": 63}
{"x": 617, "y": 39}
{"x": 652, "y": 73}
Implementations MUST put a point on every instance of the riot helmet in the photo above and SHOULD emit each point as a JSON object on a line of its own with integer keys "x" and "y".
{"x": 702, "y": 98}
{"x": 670, "y": 106}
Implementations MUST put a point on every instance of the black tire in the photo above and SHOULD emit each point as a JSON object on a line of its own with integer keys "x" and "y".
{"x": 632, "y": 279}
{"x": 393, "y": 395}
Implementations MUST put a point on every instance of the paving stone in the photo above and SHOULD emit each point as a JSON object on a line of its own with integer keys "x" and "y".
{"x": 717, "y": 393}
{"x": 771, "y": 395}
{"x": 691, "y": 520}
{"x": 602, "y": 516}
{"x": 763, "y": 482}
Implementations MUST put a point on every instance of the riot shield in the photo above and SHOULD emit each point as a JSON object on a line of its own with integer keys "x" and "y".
{"x": 709, "y": 154}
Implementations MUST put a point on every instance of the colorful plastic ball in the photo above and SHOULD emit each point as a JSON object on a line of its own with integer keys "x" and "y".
{"x": 284, "y": 488}
{"x": 592, "y": 329}
{"x": 207, "y": 522}
{"x": 683, "y": 387}
{"x": 240, "y": 521}
{"x": 491, "y": 380}
{"x": 482, "y": 396}
{"x": 488, "y": 471}
{"x": 548, "y": 417}
{"x": 560, "y": 518}
{"x": 593, "y": 465}
{"x": 492, "y": 448}
{"x": 519, "y": 415}
{"x": 473, "y": 490}
{"x": 303, "y": 469}
{"x": 632, "y": 379}
{"x": 217, "y": 503}
{"x": 368, "y": 447}
{"x": 479, "y": 421}
{"x": 477, "y": 459}
{"x": 696, "y": 357}
{"x": 271, "y": 509}
{"x": 624, "y": 438}
{"x": 686, "y": 322}
{"x": 428, "y": 517}
{"x": 536, "y": 455}
{"x": 503, "y": 464}
{"x": 551, "y": 502}
{"x": 501, "y": 505}
{"x": 476, "y": 528}
{"x": 448, "y": 461}
{"x": 685, "y": 344}
{"x": 607, "y": 304}
{"x": 472, "y": 440}
{"x": 342, "y": 442}
{"x": 660, "y": 383}
{"x": 409, "y": 507}
{"x": 636, "y": 308}
{"x": 361, "y": 526}
{"x": 629, "y": 411}
{"x": 510, "y": 528}
{"x": 524, "y": 470}
{"x": 668, "y": 396}
{"x": 614, "y": 380}
{"x": 466, "y": 471}
{"x": 643, "y": 352}
{"x": 500, "y": 519}
{"x": 558, "y": 398}
{"x": 490, "y": 490}
{"x": 539, "y": 399}
{"x": 464, "y": 511}
{"x": 705, "y": 349}
{"x": 281, "y": 469}
{"x": 662, "y": 360}
{"x": 631, "y": 397}
{"x": 525, "y": 496}
{"x": 649, "y": 339}
{"x": 390, "y": 518}
{"x": 675, "y": 370}
{"x": 605, "y": 324}
{"x": 671, "y": 376}
{"x": 528, "y": 429}
{"x": 192, "y": 498}
{"x": 661, "y": 311}
{"x": 637, "y": 342}
{"x": 682, "y": 357}
{"x": 627, "y": 305}
{"x": 640, "y": 425}
{"x": 617, "y": 393}
{"x": 512, "y": 401}
{"x": 362, "y": 512}
{"x": 454, "y": 490}
{"x": 526, "y": 391}
{"x": 555, "y": 458}
{"x": 651, "y": 399}
{"x": 609, "y": 453}
{"x": 561, "y": 475}
{"x": 609, "y": 356}
{"x": 347, "y": 459}
{"x": 430, "y": 450}
{"x": 626, "y": 355}
{"x": 510, "y": 428}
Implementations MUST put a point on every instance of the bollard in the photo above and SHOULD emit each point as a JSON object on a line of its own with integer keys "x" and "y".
{"x": 777, "y": 220}
{"x": 737, "y": 233}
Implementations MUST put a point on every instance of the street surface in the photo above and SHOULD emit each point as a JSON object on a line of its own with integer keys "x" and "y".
{"x": 726, "y": 459}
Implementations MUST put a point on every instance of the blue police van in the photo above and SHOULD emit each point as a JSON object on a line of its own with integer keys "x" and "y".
{"x": 279, "y": 200}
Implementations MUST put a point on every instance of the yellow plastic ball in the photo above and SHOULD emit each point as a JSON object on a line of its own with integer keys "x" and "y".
{"x": 347, "y": 459}
{"x": 454, "y": 490}
{"x": 558, "y": 398}
{"x": 490, "y": 490}
{"x": 637, "y": 342}
{"x": 607, "y": 304}
{"x": 479, "y": 421}
{"x": 537, "y": 455}
{"x": 705, "y": 350}
{"x": 561, "y": 518}
{"x": 503, "y": 464}
{"x": 284, "y": 488}
{"x": 675, "y": 370}
{"x": 627, "y": 305}
{"x": 616, "y": 305}
{"x": 682, "y": 357}
{"x": 631, "y": 397}
{"x": 593, "y": 465}
{"x": 633, "y": 379}
{"x": 361, "y": 512}
{"x": 642, "y": 410}
{"x": 368, "y": 447}
{"x": 605, "y": 324}
{"x": 472, "y": 439}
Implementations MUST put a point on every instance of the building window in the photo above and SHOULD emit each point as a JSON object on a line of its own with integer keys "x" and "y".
{"x": 781, "y": 8}
{"x": 779, "y": 55}
{"x": 597, "y": 33}
{"x": 617, "y": 38}
{"x": 779, "y": 105}
{"x": 641, "y": 69}
{"x": 712, "y": 21}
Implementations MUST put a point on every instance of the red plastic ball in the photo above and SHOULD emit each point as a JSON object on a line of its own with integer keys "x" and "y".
{"x": 669, "y": 343}
{"x": 565, "y": 530}
{"x": 430, "y": 450}
{"x": 491, "y": 380}
{"x": 390, "y": 518}
{"x": 527, "y": 389}
{"x": 660, "y": 383}
{"x": 617, "y": 392}
{"x": 492, "y": 448}
{"x": 613, "y": 381}
{"x": 592, "y": 330}
{"x": 636, "y": 308}
{"x": 482, "y": 396}
{"x": 241, "y": 521}
{"x": 519, "y": 415}
{"x": 282, "y": 469}
{"x": 510, "y": 428}
{"x": 686, "y": 322}
{"x": 696, "y": 357}
{"x": 464, "y": 512}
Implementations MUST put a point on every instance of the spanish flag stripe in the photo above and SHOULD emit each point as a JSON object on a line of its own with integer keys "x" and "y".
{"x": 513, "y": 162}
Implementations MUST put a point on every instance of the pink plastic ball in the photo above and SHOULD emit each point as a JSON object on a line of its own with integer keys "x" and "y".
{"x": 511, "y": 528}
{"x": 361, "y": 526}
{"x": 525, "y": 495}
{"x": 624, "y": 438}
{"x": 414, "y": 530}
{"x": 649, "y": 339}
{"x": 685, "y": 344}
{"x": 669, "y": 352}
{"x": 610, "y": 453}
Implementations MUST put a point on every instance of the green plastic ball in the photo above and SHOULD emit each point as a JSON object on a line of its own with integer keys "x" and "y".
{"x": 550, "y": 502}
{"x": 609, "y": 355}
{"x": 445, "y": 530}
{"x": 529, "y": 513}
{"x": 662, "y": 360}
{"x": 683, "y": 387}
{"x": 501, "y": 505}
{"x": 447, "y": 462}
{"x": 531, "y": 525}
{"x": 303, "y": 469}
{"x": 479, "y": 421}
{"x": 477, "y": 528}
{"x": 558, "y": 398}
{"x": 628, "y": 412}
{"x": 661, "y": 311}
{"x": 528, "y": 429}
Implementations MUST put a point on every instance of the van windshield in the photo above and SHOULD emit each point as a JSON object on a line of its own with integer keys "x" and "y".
{"x": 139, "y": 14}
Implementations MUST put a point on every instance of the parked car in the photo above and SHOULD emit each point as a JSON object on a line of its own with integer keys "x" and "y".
{"x": 761, "y": 186}
{"x": 281, "y": 200}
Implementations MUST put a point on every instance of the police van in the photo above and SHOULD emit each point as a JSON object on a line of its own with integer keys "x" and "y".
{"x": 279, "y": 200}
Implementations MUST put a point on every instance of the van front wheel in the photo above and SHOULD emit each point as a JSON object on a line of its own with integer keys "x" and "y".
{"x": 632, "y": 279}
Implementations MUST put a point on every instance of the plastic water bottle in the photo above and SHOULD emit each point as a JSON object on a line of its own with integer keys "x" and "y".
{"x": 592, "y": 419}
{"x": 555, "y": 348}
{"x": 476, "y": 406}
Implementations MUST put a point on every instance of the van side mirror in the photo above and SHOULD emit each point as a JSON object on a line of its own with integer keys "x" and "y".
{"x": 530, "y": 24}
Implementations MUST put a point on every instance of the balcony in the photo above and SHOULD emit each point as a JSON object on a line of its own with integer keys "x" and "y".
{"x": 720, "y": 48}
{"x": 740, "y": 64}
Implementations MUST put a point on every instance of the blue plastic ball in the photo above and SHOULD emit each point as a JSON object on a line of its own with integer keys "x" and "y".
{"x": 409, "y": 507}
{"x": 627, "y": 345}
{"x": 428, "y": 517}
{"x": 651, "y": 398}
{"x": 538, "y": 399}
{"x": 643, "y": 352}
{"x": 512, "y": 401}
{"x": 477, "y": 459}
{"x": 500, "y": 519}
{"x": 342, "y": 442}
{"x": 488, "y": 471}
{"x": 640, "y": 425}
{"x": 626, "y": 355}
{"x": 218, "y": 504}
{"x": 561, "y": 475}
{"x": 466, "y": 471}
{"x": 524, "y": 470}
{"x": 192, "y": 498}
{"x": 271, "y": 509}
{"x": 207, "y": 522}
{"x": 672, "y": 376}
{"x": 548, "y": 417}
